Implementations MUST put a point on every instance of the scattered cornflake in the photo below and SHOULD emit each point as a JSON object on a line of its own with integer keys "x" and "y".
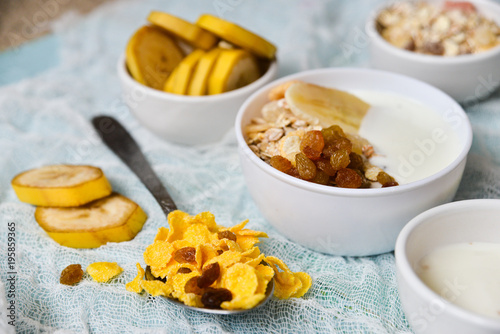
{"x": 103, "y": 271}
{"x": 203, "y": 264}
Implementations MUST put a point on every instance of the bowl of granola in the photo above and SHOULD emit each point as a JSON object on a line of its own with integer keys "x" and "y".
{"x": 452, "y": 45}
{"x": 340, "y": 159}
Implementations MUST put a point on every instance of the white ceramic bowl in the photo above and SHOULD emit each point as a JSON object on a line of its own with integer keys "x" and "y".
{"x": 466, "y": 78}
{"x": 189, "y": 120}
{"x": 350, "y": 221}
{"x": 457, "y": 222}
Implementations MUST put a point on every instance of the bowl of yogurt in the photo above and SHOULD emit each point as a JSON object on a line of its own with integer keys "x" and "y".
{"x": 448, "y": 268}
{"x": 420, "y": 136}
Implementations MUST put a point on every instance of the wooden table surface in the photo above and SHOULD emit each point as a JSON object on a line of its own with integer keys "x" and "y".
{"x": 24, "y": 20}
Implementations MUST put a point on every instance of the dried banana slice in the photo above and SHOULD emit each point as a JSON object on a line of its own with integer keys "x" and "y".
{"x": 278, "y": 92}
{"x": 189, "y": 32}
{"x": 170, "y": 83}
{"x": 234, "y": 69}
{"x": 237, "y": 35}
{"x": 179, "y": 80}
{"x": 112, "y": 219}
{"x": 199, "y": 82}
{"x": 326, "y": 106}
{"x": 151, "y": 55}
{"x": 61, "y": 185}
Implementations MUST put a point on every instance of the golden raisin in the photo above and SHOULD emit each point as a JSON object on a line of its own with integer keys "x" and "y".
{"x": 311, "y": 153}
{"x": 356, "y": 161}
{"x": 312, "y": 144}
{"x": 328, "y": 150}
{"x": 185, "y": 255}
{"x": 325, "y": 166}
{"x": 212, "y": 298}
{"x": 321, "y": 178}
{"x": 280, "y": 163}
{"x": 342, "y": 143}
{"x": 390, "y": 184}
{"x": 331, "y": 133}
{"x": 184, "y": 270}
{"x": 305, "y": 166}
{"x": 192, "y": 286}
{"x": 340, "y": 159}
{"x": 209, "y": 275}
{"x": 71, "y": 275}
{"x": 337, "y": 144}
{"x": 348, "y": 178}
{"x": 383, "y": 178}
{"x": 294, "y": 172}
{"x": 226, "y": 235}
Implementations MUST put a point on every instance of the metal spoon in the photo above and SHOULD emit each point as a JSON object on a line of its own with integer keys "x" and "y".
{"x": 117, "y": 138}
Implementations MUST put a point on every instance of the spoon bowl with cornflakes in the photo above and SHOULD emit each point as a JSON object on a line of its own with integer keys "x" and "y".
{"x": 269, "y": 293}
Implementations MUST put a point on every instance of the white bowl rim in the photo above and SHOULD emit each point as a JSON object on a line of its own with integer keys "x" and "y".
{"x": 371, "y": 192}
{"x": 125, "y": 76}
{"x": 414, "y": 281}
{"x": 424, "y": 58}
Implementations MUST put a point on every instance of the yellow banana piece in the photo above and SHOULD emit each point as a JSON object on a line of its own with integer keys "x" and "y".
{"x": 237, "y": 35}
{"x": 61, "y": 185}
{"x": 170, "y": 83}
{"x": 326, "y": 106}
{"x": 179, "y": 80}
{"x": 151, "y": 55}
{"x": 189, "y": 32}
{"x": 111, "y": 219}
{"x": 233, "y": 69}
{"x": 199, "y": 82}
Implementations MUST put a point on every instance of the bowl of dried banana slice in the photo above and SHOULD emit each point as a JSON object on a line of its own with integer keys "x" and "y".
{"x": 185, "y": 81}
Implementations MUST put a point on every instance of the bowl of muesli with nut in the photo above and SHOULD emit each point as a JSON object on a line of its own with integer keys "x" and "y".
{"x": 453, "y": 45}
{"x": 340, "y": 159}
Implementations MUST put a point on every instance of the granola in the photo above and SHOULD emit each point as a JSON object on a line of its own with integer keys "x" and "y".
{"x": 305, "y": 149}
{"x": 454, "y": 28}
{"x": 277, "y": 125}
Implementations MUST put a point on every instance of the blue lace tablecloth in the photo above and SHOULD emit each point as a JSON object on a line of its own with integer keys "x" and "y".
{"x": 44, "y": 119}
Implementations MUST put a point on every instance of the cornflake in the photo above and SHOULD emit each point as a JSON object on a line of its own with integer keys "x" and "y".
{"x": 203, "y": 264}
{"x": 103, "y": 271}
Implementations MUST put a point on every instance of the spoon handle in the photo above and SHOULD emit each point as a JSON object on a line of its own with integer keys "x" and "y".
{"x": 117, "y": 138}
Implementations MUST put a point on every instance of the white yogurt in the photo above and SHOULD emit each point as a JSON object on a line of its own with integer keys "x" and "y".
{"x": 466, "y": 274}
{"x": 411, "y": 140}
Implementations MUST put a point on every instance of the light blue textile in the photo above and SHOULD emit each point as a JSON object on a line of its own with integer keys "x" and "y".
{"x": 44, "y": 119}
{"x": 29, "y": 59}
